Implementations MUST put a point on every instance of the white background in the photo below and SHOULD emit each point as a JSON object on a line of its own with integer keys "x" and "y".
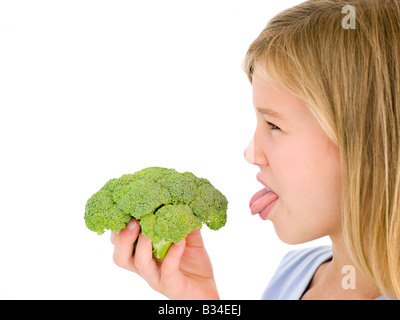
{"x": 90, "y": 90}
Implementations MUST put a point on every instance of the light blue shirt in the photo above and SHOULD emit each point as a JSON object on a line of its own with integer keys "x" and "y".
{"x": 295, "y": 272}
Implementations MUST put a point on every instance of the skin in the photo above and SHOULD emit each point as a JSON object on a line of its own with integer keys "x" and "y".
{"x": 185, "y": 272}
{"x": 301, "y": 165}
{"x": 298, "y": 162}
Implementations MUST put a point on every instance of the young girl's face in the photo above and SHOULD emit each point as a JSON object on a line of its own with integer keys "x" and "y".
{"x": 298, "y": 162}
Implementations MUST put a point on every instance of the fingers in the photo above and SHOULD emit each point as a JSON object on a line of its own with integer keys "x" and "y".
{"x": 123, "y": 245}
{"x": 171, "y": 277}
{"x": 139, "y": 260}
{"x": 144, "y": 263}
{"x": 194, "y": 239}
{"x": 113, "y": 237}
{"x": 159, "y": 274}
{"x": 172, "y": 260}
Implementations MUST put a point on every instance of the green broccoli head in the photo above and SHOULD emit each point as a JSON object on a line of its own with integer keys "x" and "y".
{"x": 171, "y": 223}
{"x": 168, "y": 204}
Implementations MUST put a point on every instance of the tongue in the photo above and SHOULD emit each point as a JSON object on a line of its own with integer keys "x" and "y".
{"x": 258, "y": 195}
{"x": 261, "y": 200}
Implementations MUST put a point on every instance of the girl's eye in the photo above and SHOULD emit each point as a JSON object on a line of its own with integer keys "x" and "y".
{"x": 273, "y": 127}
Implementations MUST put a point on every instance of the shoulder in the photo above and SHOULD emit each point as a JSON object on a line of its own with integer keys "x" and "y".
{"x": 295, "y": 271}
{"x": 305, "y": 257}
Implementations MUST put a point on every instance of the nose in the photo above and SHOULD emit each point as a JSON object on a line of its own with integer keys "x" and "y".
{"x": 254, "y": 154}
{"x": 249, "y": 152}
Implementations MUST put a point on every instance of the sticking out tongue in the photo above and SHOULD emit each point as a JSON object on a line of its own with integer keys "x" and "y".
{"x": 261, "y": 200}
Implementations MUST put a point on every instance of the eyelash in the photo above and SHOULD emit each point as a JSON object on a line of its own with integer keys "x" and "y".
{"x": 273, "y": 127}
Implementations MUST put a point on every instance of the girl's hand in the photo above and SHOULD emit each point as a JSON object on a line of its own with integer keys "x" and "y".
{"x": 185, "y": 272}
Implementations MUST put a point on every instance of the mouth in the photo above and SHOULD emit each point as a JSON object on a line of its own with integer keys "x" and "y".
{"x": 262, "y": 201}
{"x": 258, "y": 177}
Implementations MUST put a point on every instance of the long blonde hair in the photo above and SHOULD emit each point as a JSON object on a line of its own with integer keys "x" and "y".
{"x": 350, "y": 79}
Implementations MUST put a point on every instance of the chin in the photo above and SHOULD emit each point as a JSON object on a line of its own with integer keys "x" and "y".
{"x": 295, "y": 235}
{"x": 290, "y": 239}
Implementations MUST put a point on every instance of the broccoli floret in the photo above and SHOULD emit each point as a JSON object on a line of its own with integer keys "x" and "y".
{"x": 168, "y": 204}
{"x": 171, "y": 223}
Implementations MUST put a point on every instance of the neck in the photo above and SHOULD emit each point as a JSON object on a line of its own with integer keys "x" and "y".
{"x": 340, "y": 279}
{"x": 344, "y": 276}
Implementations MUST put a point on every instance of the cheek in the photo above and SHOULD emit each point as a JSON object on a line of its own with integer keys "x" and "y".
{"x": 308, "y": 184}
{"x": 306, "y": 171}
{"x": 292, "y": 170}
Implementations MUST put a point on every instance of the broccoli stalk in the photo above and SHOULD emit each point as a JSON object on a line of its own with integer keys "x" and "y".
{"x": 160, "y": 247}
{"x": 168, "y": 204}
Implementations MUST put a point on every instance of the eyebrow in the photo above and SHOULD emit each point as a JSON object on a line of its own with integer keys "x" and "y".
{"x": 270, "y": 113}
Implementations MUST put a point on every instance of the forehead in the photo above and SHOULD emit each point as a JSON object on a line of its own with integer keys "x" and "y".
{"x": 275, "y": 99}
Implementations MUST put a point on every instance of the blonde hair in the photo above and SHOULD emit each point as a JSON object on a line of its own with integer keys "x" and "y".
{"x": 350, "y": 80}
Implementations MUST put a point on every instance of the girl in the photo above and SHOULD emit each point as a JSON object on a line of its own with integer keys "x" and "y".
{"x": 326, "y": 92}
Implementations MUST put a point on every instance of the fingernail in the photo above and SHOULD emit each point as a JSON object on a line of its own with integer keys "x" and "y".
{"x": 131, "y": 225}
{"x": 178, "y": 243}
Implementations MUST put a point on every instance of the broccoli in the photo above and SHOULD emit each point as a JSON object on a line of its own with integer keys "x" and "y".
{"x": 168, "y": 204}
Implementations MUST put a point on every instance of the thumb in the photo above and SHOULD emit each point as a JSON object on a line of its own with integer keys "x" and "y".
{"x": 194, "y": 239}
